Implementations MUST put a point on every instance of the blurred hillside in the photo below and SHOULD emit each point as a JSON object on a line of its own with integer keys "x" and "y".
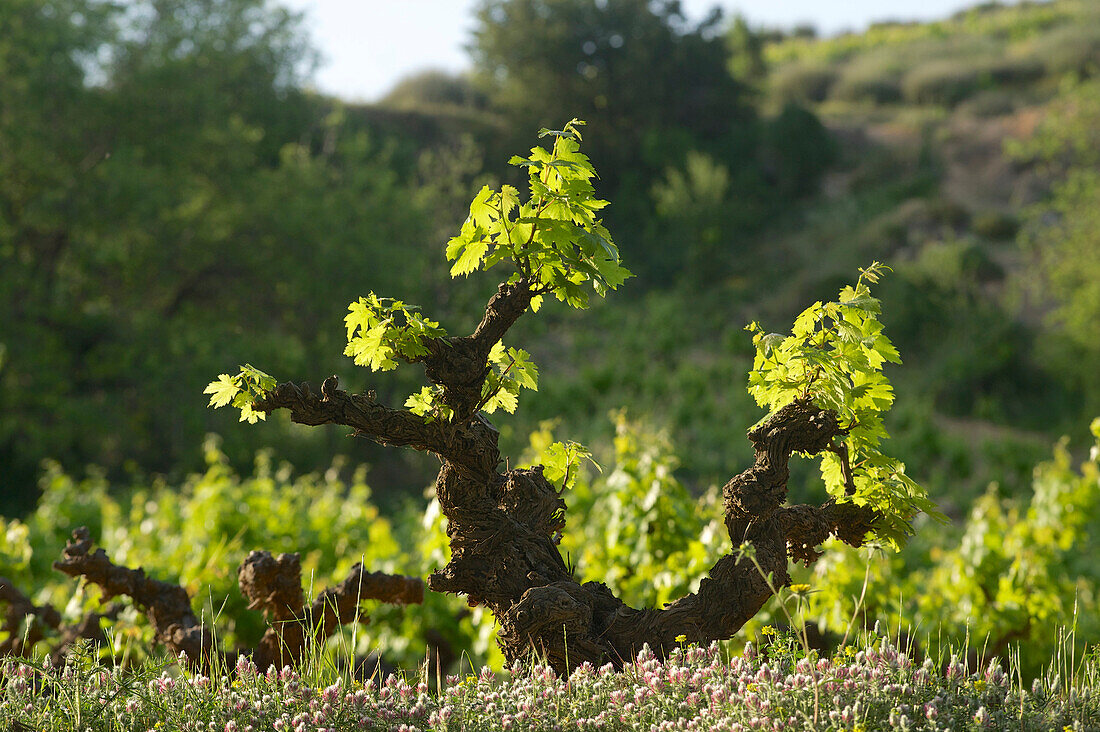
{"x": 173, "y": 202}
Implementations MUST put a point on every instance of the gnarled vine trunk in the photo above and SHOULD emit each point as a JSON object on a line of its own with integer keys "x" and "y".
{"x": 271, "y": 584}
{"x": 502, "y": 525}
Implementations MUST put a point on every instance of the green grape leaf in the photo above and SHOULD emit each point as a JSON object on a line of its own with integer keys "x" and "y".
{"x": 470, "y": 258}
{"x": 360, "y": 317}
{"x": 223, "y": 390}
{"x": 553, "y": 238}
{"x": 250, "y": 414}
{"x": 504, "y": 398}
{"x": 369, "y": 349}
{"x": 509, "y": 200}
{"x": 522, "y": 162}
{"x": 421, "y": 402}
{"x": 428, "y": 403}
{"x": 258, "y": 379}
{"x": 834, "y": 356}
{"x": 767, "y": 344}
{"x": 523, "y": 371}
{"x": 863, "y": 302}
{"x": 562, "y": 462}
{"x": 380, "y": 330}
{"x": 241, "y": 391}
{"x": 481, "y": 208}
{"x": 512, "y": 370}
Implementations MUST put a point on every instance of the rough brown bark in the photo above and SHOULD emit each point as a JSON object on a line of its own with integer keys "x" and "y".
{"x": 502, "y": 526}
{"x": 19, "y": 607}
{"x": 272, "y": 584}
{"x": 41, "y": 618}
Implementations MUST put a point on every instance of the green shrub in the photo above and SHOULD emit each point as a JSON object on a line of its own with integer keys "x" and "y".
{"x": 948, "y": 81}
{"x": 995, "y": 225}
{"x": 868, "y": 86}
{"x": 945, "y": 81}
{"x": 991, "y": 103}
{"x": 433, "y": 89}
{"x": 948, "y": 213}
{"x": 802, "y": 82}
{"x": 1071, "y": 49}
{"x": 1014, "y": 71}
{"x": 797, "y": 150}
{"x": 874, "y": 78}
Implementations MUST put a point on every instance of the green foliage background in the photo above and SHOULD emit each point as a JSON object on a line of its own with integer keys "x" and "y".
{"x": 175, "y": 201}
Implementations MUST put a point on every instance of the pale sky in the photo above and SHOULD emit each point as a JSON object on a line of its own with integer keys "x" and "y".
{"x": 369, "y": 45}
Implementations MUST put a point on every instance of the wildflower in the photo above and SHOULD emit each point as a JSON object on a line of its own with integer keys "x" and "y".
{"x": 994, "y": 674}
{"x": 954, "y": 670}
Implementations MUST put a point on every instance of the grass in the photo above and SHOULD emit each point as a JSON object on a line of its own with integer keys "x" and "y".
{"x": 872, "y": 685}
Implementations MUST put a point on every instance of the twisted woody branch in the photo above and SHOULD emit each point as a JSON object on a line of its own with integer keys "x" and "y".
{"x": 502, "y": 525}
{"x": 271, "y": 584}
{"x": 18, "y": 608}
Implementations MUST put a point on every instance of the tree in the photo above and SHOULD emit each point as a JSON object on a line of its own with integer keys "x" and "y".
{"x": 434, "y": 89}
{"x": 823, "y": 385}
{"x": 635, "y": 68}
{"x": 47, "y": 129}
{"x": 662, "y": 91}
{"x": 161, "y": 168}
{"x": 746, "y": 48}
